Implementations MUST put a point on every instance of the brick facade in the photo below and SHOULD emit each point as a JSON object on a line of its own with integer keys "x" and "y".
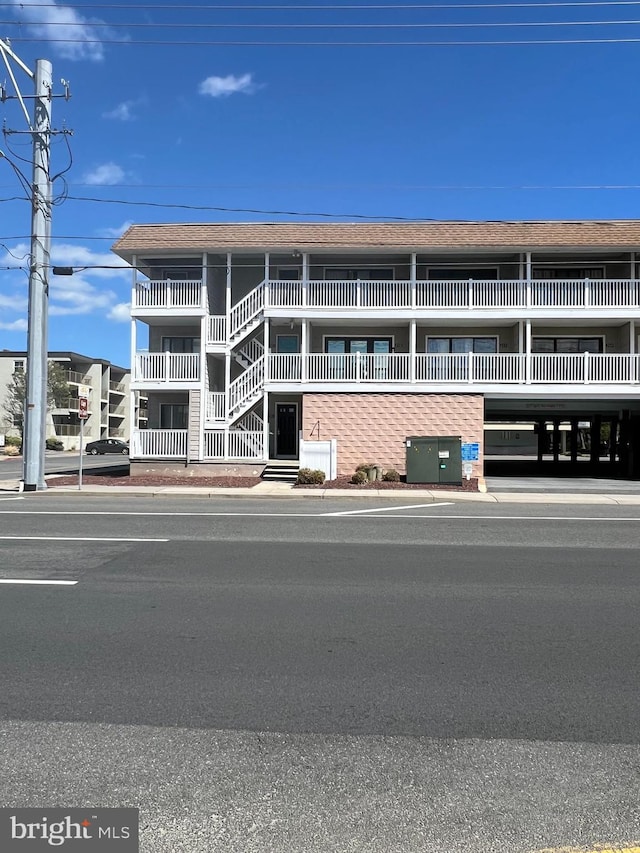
{"x": 373, "y": 427}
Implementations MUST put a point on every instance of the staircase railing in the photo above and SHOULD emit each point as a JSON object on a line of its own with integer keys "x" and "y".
{"x": 245, "y": 312}
{"x": 246, "y": 388}
{"x": 252, "y": 350}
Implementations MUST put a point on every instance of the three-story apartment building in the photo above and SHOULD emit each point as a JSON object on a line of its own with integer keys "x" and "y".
{"x": 108, "y": 397}
{"x": 247, "y": 338}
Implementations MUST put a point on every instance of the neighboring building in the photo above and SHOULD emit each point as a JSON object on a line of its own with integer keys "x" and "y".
{"x": 108, "y": 401}
{"x": 262, "y": 334}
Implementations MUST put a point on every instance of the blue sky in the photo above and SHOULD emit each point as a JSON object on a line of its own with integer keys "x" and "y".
{"x": 439, "y": 130}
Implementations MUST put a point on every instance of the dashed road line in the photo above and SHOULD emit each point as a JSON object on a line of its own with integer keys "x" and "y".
{"x": 80, "y": 539}
{"x": 27, "y": 582}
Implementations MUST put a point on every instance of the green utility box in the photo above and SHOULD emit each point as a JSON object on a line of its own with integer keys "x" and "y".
{"x": 434, "y": 459}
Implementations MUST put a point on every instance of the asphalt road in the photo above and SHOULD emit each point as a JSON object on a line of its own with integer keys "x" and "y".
{"x": 308, "y": 675}
{"x": 60, "y": 463}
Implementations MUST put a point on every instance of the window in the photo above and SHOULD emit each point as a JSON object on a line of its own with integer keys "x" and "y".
{"x": 363, "y": 345}
{"x": 463, "y": 273}
{"x": 18, "y": 366}
{"x": 173, "y": 415}
{"x": 566, "y": 345}
{"x": 568, "y": 272}
{"x": 183, "y": 273}
{"x": 376, "y": 368}
{"x": 462, "y": 345}
{"x": 288, "y": 274}
{"x": 180, "y": 345}
{"x": 355, "y": 273}
{"x": 287, "y": 344}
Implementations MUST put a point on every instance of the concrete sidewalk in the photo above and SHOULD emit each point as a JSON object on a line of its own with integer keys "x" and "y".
{"x": 284, "y": 490}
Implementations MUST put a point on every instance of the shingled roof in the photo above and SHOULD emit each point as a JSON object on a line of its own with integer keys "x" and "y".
{"x": 415, "y": 236}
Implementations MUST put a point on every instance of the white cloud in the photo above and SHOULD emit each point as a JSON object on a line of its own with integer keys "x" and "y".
{"x": 222, "y": 87}
{"x": 76, "y": 295}
{"x": 105, "y": 175}
{"x": 123, "y": 112}
{"x": 86, "y": 292}
{"x": 116, "y": 232}
{"x": 14, "y": 303}
{"x": 15, "y": 326}
{"x": 121, "y": 312}
{"x": 55, "y": 23}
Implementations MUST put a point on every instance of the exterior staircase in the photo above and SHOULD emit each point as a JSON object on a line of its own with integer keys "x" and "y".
{"x": 281, "y": 472}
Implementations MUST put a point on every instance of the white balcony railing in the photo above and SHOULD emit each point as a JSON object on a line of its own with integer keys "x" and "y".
{"x": 456, "y": 294}
{"x": 167, "y": 294}
{"x": 216, "y": 329}
{"x": 166, "y": 367}
{"x": 234, "y": 444}
{"x": 216, "y": 408}
{"x": 462, "y": 368}
{"x": 160, "y": 443}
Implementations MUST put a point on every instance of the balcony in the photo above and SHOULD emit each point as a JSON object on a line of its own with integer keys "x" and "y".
{"x": 218, "y": 444}
{"x": 73, "y": 377}
{"x": 117, "y": 388}
{"x": 470, "y": 372}
{"x": 156, "y": 298}
{"x": 159, "y": 443}
{"x": 535, "y": 297}
{"x": 166, "y": 369}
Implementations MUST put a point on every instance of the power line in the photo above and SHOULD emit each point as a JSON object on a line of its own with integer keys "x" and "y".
{"x": 177, "y": 206}
{"x": 333, "y": 26}
{"x": 325, "y": 43}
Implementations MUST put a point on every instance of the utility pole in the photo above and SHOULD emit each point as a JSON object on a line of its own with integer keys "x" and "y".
{"x": 35, "y": 411}
{"x": 35, "y": 424}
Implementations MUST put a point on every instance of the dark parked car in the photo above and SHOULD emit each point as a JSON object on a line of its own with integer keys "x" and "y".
{"x": 107, "y": 445}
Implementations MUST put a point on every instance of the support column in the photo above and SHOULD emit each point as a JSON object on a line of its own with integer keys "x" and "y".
{"x": 556, "y": 440}
{"x": 265, "y": 426}
{"x": 227, "y": 302}
{"x": 529, "y": 275}
{"x": 305, "y": 278}
{"x": 267, "y": 275}
{"x": 542, "y": 440}
{"x": 304, "y": 349}
{"x": 527, "y": 357}
{"x": 596, "y": 423}
{"x": 414, "y": 277}
{"x": 412, "y": 350}
{"x": 573, "y": 444}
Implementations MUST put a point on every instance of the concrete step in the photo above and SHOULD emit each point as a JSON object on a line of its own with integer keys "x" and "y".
{"x": 282, "y": 473}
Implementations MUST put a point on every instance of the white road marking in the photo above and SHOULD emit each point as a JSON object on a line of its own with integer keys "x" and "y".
{"x": 80, "y": 539}
{"x": 387, "y": 509}
{"x": 11, "y": 499}
{"x": 37, "y": 583}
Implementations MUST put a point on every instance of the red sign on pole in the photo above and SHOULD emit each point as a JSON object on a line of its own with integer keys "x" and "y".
{"x": 83, "y": 414}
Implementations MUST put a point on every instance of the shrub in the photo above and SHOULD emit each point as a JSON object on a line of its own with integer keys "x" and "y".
{"x": 310, "y": 477}
{"x": 359, "y": 477}
{"x": 391, "y": 476}
{"x": 365, "y": 466}
{"x": 12, "y": 441}
{"x": 54, "y": 444}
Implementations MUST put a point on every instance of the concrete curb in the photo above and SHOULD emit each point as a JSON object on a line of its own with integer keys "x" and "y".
{"x": 407, "y": 496}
